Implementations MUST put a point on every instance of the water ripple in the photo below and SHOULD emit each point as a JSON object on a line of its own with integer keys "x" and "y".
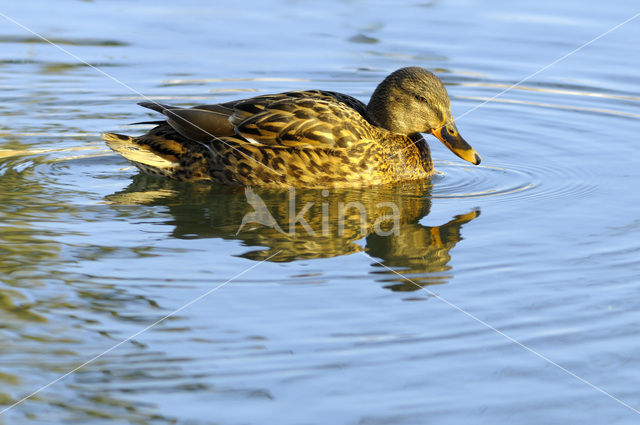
{"x": 524, "y": 181}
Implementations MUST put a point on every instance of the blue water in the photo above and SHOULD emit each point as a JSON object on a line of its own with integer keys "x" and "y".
{"x": 508, "y": 295}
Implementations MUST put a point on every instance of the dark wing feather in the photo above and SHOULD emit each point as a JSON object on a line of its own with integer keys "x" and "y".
{"x": 202, "y": 123}
{"x": 158, "y": 107}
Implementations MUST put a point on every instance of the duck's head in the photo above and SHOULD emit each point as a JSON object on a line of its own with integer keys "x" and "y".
{"x": 413, "y": 100}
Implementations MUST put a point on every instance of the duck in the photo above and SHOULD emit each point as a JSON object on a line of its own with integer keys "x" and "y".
{"x": 303, "y": 139}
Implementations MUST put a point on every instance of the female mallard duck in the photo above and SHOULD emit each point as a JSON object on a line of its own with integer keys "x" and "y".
{"x": 311, "y": 138}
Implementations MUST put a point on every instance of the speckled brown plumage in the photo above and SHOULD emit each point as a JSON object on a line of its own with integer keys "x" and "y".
{"x": 308, "y": 138}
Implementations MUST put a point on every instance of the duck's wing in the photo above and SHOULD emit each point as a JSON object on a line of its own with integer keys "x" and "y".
{"x": 201, "y": 123}
{"x": 293, "y": 119}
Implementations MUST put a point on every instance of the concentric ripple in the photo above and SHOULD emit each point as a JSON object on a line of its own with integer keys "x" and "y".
{"x": 457, "y": 180}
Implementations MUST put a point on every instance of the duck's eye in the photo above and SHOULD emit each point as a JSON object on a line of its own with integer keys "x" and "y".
{"x": 450, "y": 131}
{"x": 421, "y": 99}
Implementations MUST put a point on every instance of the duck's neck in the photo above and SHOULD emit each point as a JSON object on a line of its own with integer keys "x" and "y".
{"x": 423, "y": 151}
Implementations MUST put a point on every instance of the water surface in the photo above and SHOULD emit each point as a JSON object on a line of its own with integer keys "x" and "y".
{"x": 540, "y": 242}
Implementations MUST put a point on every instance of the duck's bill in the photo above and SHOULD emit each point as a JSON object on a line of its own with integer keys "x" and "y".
{"x": 448, "y": 134}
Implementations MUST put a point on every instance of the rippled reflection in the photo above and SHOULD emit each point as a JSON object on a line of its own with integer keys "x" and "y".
{"x": 421, "y": 253}
{"x": 382, "y": 221}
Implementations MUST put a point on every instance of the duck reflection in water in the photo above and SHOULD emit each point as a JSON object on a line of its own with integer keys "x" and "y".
{"x": 383, "y": 221}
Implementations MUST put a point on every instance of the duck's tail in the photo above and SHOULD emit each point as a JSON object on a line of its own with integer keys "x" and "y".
{"x": 141, "y": 155}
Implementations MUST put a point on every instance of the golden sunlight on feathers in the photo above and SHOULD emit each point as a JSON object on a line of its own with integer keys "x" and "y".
{"x": 310, "y": 138}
